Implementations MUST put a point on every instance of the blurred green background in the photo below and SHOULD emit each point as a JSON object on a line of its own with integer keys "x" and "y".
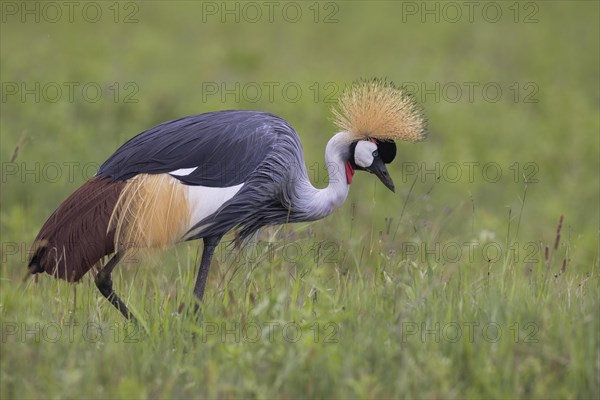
{"x": 509, "y": 88}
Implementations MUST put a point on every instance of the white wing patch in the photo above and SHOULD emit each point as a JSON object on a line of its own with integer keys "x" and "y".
{"x": 205, "y": 201}
{"x": 183, "y": 171}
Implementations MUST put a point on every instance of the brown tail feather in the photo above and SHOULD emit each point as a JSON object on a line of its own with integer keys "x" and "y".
{"x": 75, "y": 236}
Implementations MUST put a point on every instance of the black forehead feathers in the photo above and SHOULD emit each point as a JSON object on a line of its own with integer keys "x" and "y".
{"x": 387, "y": 150}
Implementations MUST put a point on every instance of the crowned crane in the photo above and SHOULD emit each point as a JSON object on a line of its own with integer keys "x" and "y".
{"x": 205, "y": 175}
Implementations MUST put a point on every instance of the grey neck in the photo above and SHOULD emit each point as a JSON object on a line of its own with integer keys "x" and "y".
{"x": 313, "y": 203}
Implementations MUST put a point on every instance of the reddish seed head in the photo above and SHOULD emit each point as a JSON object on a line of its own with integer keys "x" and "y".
{"x": 564, "y": 266}
{"x": 558, "y": 229}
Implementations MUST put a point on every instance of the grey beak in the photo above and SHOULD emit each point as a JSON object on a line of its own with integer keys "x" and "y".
{"x": 378, "y": 168}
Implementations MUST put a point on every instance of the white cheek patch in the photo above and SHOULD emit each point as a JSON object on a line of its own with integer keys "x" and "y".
{"x": 363, "y": 153}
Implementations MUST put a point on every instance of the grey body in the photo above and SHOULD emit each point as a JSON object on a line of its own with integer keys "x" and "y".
{"x": 227, "y": 148}
{"x": 259, "y": 151}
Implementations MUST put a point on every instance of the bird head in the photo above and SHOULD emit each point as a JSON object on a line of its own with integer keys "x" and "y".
{"x": 374, "y": 114}
{"x": 371, "y": 156}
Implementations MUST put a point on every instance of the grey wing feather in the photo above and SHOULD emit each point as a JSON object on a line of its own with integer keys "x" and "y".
{"x": 225, "y": 147}
{"x": 264, "y": 199}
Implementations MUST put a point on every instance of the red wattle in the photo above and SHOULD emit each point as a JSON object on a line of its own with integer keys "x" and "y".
{"x": 349, "y": 172}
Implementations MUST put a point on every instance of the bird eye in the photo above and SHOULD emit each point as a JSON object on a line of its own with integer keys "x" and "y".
{"x": 375, "y": 153}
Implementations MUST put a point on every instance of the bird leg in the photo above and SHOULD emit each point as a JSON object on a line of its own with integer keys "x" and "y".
{"x": 103, "y": 282}
{"x": 210, "y": 244}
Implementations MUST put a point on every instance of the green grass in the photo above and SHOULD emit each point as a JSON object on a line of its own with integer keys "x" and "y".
{"x": 443, "y": 290}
